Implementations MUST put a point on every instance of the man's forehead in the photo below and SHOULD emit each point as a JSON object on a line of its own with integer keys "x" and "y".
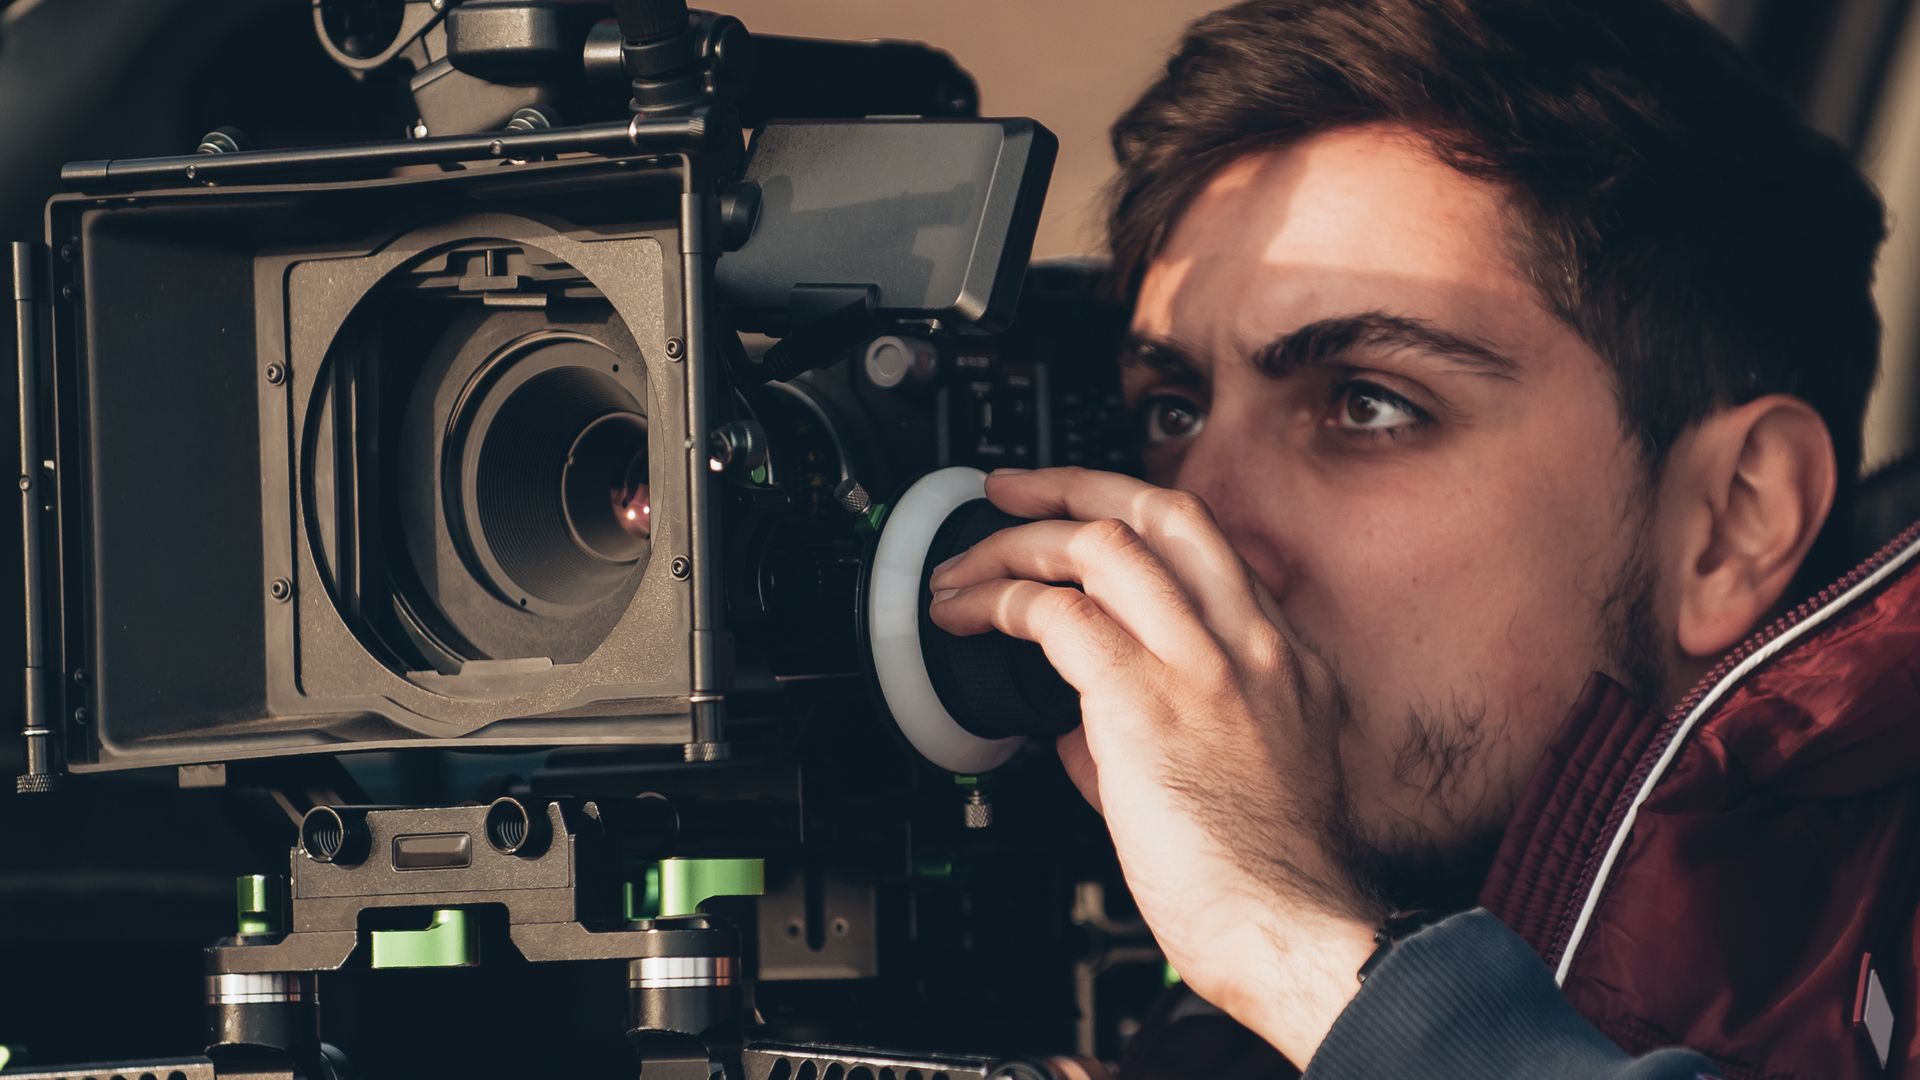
{"x": 1357, "y": 219}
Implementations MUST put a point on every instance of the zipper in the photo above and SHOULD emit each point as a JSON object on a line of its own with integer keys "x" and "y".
{"x": 1754, "y": 642}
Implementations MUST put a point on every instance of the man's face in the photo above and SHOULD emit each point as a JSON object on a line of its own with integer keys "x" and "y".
{"x": 1336, "y": 349}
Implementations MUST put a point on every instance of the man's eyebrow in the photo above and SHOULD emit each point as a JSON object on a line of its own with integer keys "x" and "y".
{"x": 1326, "y": 340}
{"x": 1160, "y": 357}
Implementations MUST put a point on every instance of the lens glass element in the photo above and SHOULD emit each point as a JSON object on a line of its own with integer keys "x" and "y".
{"x": 605, "y": 485}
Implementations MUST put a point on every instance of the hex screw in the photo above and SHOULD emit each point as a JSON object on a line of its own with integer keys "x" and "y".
{"x": 276, "y": 374}
{"x": 676, "y": 348}
{"x": 79, "y": 676}
{"x": 679, "y": 567}
{"x": 281, "y": 589}
{"x": 80, "y": 715}
{"x": 26, "y": 483}
{"x": 66, "y": 252}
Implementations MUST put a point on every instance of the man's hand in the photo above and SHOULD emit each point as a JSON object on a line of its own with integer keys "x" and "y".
{"x": 1208, "y": 738}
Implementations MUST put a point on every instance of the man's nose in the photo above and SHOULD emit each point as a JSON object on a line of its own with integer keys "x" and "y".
{"x": 1247, "y": 492}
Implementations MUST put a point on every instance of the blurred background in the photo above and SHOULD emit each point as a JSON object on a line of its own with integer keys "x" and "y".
{"x": 82, "y": 79}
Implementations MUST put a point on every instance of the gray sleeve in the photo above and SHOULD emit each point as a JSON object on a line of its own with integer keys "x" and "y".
{"x": 1467, "y": 998}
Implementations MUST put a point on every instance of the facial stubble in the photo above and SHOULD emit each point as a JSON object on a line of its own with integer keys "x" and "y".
{"x": 1445, "y": 752}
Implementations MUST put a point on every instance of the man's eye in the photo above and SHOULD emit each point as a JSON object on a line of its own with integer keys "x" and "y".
{"x": 1169, "y": 418}
{"x": 1362, "y": 406}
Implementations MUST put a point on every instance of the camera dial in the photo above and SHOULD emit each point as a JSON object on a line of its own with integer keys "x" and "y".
{"x": 966, "y": 704}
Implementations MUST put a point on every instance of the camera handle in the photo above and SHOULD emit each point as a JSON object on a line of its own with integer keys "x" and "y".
{"x": 678, "y": 61}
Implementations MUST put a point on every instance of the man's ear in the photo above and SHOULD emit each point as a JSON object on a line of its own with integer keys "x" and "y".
{"x": 1750, "y": 488}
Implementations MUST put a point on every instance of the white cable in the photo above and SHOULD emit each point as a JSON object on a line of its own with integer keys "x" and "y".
{"x": 893, "y": 625}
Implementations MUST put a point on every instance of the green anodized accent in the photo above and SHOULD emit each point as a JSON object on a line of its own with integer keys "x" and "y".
{"x": 933, "y": 867}
{"x": 1168, "y": 976}
{"x": 6, "y": 1055}
{"x": 642, "y": 900}
{"x": 261, "y": 900}
{"x": 966, "y": 781}
{"x": 684, "y": 883}
{"x": 875, "y": 517}
{"x": 450, "y": 941}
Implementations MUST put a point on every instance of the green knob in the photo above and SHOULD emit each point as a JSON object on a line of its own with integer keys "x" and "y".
{"x": 261, "y": 900}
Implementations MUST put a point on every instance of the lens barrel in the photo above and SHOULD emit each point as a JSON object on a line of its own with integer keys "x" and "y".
{"x": 553, "y": 477}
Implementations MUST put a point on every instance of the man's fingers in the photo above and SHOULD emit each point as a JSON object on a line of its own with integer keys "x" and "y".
{"x": 1080, "y": 766}
{"x": 1175, "y": 524}
{"x": 1114, "y": 566}
{"x": 1081, "y": 640}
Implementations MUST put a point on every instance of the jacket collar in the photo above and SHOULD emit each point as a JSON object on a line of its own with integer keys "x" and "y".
{"x": 1816, "y": 704}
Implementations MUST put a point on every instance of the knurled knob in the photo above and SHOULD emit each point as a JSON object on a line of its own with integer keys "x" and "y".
{"x": 977, "y": 812}
{"x": 852, "y": 496}
{"x": 35, "y": 783}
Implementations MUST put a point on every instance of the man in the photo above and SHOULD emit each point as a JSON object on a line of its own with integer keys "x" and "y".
{"x": 1481, "y": 346}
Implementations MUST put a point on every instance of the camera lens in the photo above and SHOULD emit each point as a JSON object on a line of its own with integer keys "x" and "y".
{"x": 606, "y": 496}
{"x": 472, "y": 468}
{"x": 555, "y": 478}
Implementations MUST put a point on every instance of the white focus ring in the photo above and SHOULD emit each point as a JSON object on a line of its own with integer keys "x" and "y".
{"x": 893, "y": 625}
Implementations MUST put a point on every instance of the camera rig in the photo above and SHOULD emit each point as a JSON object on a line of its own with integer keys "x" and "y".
{"x": 614, "y": 455}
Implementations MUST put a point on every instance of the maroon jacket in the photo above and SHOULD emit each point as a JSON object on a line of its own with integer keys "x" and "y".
{"x": 1728, "y": 877}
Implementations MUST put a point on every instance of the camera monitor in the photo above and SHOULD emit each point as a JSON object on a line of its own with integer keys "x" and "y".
{"x": 928, "y": 214}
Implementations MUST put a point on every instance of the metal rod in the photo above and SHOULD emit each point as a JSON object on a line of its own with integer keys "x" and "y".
{"x": 707, "y": 701}
{"x": 612, "y": 139}
{"x": 42, "y": 772}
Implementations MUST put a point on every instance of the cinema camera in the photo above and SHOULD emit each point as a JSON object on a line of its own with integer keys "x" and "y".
{"x": 616, "y": 448}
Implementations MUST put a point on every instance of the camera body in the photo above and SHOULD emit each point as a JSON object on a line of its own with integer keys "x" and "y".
{"x": 567, "y": 454}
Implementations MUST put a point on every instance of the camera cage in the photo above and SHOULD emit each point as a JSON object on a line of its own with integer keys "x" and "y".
{"x": 163, "y": 597}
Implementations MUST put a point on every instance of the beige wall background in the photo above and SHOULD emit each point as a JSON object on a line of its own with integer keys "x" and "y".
{"x": 1071, "y": 64}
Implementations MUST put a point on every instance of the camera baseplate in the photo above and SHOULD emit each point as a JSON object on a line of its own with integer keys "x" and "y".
{"x": 544, "y": 879}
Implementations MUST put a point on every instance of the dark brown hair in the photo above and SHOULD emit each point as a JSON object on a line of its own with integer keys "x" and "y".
{"x": 1675, "y": 212}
